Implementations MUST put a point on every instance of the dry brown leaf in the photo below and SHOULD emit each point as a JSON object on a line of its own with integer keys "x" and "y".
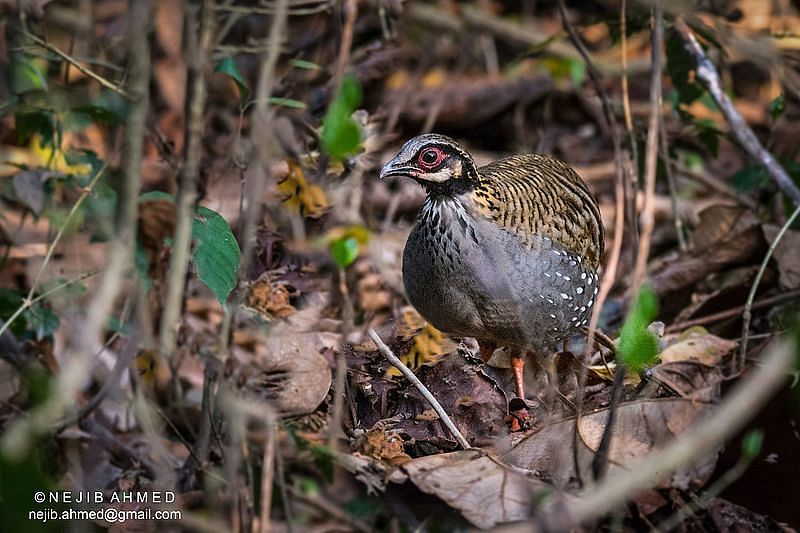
{"x": 477, "y": 484}
{"x": 641, "y": 428}
{"x": 270, "y": 297}
{"x": 787, "y": 256}
{"x": 698, "y": 345}
{"x": 291, "y": 373}
{"x": 305, "y": 198}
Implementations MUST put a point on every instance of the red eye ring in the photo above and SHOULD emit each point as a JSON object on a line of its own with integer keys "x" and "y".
{"x": 429, "y": 158}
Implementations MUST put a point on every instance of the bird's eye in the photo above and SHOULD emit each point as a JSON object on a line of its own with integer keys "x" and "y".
{"x": 431, "y": 157}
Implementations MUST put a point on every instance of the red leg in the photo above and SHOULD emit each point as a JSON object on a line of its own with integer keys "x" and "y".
{"x": 518, "y": 365}
{"x": 518, "y": 416}
{"x": 486, "y": 348}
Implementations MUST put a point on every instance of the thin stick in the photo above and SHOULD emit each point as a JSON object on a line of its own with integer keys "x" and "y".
{"x": 630, "y": 185}
{"x": 29, "y": 300}
{"x": 267, "y": 477}
{"x": 688, "y": 510}
{"x": 730, "y": 313}
{"x": 187, "y": 194}
{"x": 647, "y": 218}
{"x": 610, "y": 274}
{"x": 673, "y": 189}
{"x": 707, "y": 72}
{"x": 740, "y": 406}
{"x": 398, "y": 364}
{"x": 750, "y": 297}
{"x": 66, "y": 57}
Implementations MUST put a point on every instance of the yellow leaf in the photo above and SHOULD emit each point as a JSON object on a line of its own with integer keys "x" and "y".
{"x": 300, "y": 196}
{"x": 46, "y": 156}
{"x": 428, "y": 347}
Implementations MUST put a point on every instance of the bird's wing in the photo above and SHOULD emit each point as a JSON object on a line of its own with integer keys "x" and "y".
{"x": 536, "y": 194}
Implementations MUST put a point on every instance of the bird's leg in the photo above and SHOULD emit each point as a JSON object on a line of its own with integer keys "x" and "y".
{"x": 518, "y": 365}
{"x": 486, "y": 349}
{"x": 518, "y": 417}
{"x": 552, "y": 380}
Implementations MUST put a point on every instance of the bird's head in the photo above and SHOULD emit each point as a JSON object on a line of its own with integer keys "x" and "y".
{"x": 437, "y": 162}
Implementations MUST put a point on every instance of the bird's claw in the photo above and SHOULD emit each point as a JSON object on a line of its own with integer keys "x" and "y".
{"x": 518, "y": 417}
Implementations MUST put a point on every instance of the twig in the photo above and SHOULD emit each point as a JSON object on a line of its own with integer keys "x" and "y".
{"x": 673, "y": 189}
{"x": 98, "y": 78}
{"x": 600, "y": 461}
{"x": 746, "y": 315}
{"x": 630, "y": 184}
{"x": 29, "y": 300}
{"x": 332, "y": 510}
{"x": 647, "y": 218}
{"x": 350, "y": 8}
{"x": 267, "y": 477}
{"x": 707, "y": 72}
{"x": 187, "y": 193}
{"x": 734, "y": 312}
{"x": 347, "y": 314}
{"x": 398, "y": 364}
{"x": 739, "y": 407}
{"x": 705, "y": 498}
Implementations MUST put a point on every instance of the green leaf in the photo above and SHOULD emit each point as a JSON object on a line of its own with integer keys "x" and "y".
{"x": 216, "y": 254}
{"x": 41, "y": 321}
{"x": 341, "y": 136}
{"x": 302, "y": 63}
{"x": 679, "y": 65}
{"x": 752, "y": 443}
{"x": 156, "y": 195}
{"x": 25, "y": 76}
{"x": 228, "y": 66}
{"x": 344, "y": 251}
{"x": 32, "y": 121}
{"x": 361, "y": 507}
{"x": 708, "y": 134}
{"x": 750, "y": 178}
{"x": 142, "y": 263}
{"x": 287, "y": 102}
{"x": 638, "y": 346}
{"x": 777, "y": 107}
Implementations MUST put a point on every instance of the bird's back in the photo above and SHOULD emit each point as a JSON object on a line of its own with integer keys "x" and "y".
{"x": 537, "y": 195}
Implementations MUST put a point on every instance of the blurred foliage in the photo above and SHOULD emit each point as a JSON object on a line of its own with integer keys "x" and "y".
{"x": 752, "y": 443}
{"x": 638, "y": 346}
{"x": 341, "y": 135}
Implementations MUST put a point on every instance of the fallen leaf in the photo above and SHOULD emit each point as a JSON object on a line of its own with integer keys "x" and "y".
{"x": 476, "y": 484}
{"x": 305, "y": 198}
{"x": 291, "y": 373}
{"x": 786, "y": 256}
{"x": 642, "y": 427}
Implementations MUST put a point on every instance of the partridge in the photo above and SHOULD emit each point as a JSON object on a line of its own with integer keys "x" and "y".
{"x": 507, "y": 253}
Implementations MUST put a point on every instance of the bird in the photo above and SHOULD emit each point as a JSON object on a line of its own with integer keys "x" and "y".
{"x": 507, "y": 253}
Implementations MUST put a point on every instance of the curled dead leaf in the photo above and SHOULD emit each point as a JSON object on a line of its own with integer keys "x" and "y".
{"x": 641, "y": 427}
{"x": 291, "y": 373}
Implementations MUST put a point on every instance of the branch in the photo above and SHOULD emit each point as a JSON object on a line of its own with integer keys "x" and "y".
{"x": 750, "y": 297}
{"x": 187, "y": 195}
{"x": 651, "y": 152}
{"x": 398, "y": 364}
{"x": 98, "y": 78}
{"x": 707, "y": 72}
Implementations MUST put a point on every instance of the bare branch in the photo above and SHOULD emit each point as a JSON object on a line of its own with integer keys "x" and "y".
{"x": 187, "y": 194}
{"x": 707, "y": 72}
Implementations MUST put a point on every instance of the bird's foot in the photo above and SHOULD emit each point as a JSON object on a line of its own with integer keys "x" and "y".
{"x": 518, "y": 417}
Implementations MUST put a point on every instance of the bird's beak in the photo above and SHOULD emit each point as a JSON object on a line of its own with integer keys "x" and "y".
{"x": 397, "y": 167}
